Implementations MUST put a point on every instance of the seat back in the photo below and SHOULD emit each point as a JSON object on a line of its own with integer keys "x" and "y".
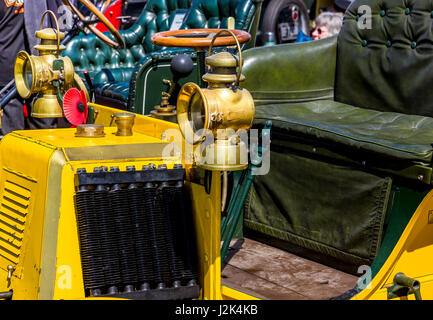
{"x": 215, "y": 13}
{"x": 90, "y": 53}
{"x": 387, "y": 67}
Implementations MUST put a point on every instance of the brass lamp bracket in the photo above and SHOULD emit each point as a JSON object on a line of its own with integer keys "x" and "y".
{"x": 220, "y": 110}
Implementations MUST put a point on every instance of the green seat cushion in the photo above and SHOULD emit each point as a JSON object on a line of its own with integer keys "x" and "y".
{"x": 390, "y": 134}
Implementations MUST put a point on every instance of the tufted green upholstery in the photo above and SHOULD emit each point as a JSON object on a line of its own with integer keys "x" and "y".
{"x": 387, "y": 68}
{"x": 102, "y": 62}
{"x": 90, "y": 53}
{"x": 202, "y": 14}
{"x": 214, "y": 14}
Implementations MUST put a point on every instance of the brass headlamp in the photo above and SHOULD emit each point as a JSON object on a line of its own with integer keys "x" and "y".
{"x": 49, "y": 75}
{"x": 222, "y": 109}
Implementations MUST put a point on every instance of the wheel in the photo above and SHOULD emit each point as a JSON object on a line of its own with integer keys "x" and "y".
{"x": 199, "y": 38}
{"x": 117, "y": 43}
{"x": 284, "y": 18}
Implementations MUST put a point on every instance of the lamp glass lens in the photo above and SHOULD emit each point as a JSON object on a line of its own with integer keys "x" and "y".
{"x": 196, "y": 112}
{"x": 27, "y": 72}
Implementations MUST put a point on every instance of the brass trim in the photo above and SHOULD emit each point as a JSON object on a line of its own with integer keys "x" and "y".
{"x": 90, "y": 131}
{"x": 116, "y": 152}
{"x": 51, "y": 226}
{"x": 22, "y": 58}
{"x": 124, "y": 123}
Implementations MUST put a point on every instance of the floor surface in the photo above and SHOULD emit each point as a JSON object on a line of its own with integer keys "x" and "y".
{"x": 270, "y": 273}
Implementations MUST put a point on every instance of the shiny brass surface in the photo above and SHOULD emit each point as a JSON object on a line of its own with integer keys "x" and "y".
{"x": 124, "y": 123}
{"x": 11, "y": 270}
{"x": 222, "y": 68}
{"x": 49, "y": 40}
{"x": 222, "y": 59}
{"x": 216, "y": 109}
{"x": 165, "y": 111}
{"x": 47, "y": 106}
{"x": 116, "y": 152}
{"x": 49, "y": 74}
{"x": 223, "y": 155}
{"x": 222, "y": 109}
{"x": 90, "y": 131}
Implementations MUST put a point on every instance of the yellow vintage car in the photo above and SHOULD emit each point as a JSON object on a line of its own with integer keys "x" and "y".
{"x": 295, "y": 171}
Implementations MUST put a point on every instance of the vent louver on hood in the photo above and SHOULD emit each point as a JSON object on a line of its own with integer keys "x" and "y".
{"x": 14, "y": 211}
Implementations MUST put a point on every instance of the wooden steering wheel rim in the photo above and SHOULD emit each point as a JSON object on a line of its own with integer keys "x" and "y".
{"x": 118, "y": 44}
{"x": 169, "y": 39}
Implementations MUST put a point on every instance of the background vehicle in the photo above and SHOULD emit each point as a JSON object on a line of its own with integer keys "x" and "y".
{"x": 284, "y": 19}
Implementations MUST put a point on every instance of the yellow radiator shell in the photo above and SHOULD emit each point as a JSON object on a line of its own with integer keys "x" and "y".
{"x": 49, "y": 265}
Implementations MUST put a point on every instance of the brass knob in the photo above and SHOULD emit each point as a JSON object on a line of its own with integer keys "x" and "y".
{"x": 11, "y": 269}
{"x": 90, "y": 131}
{"x": 124, "y": 123}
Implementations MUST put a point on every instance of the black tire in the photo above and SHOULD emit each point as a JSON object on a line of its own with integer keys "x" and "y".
{"x": 279, "y": 13}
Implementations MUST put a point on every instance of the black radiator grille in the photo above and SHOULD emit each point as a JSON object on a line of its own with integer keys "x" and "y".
{"x": 136, "y": 233}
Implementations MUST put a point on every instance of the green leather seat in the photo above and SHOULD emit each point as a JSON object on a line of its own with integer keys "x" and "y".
{"x": 88, "y": 52}
{"x": 202, "y": 14}
{"x": 365, "y": 90}
{"x": 387, "y": 134}
{"x": 351, "y": 140}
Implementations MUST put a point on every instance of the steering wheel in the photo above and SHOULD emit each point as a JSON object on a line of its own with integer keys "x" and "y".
{"x": 118, "y": 44}
{"x": 198, "y": 38}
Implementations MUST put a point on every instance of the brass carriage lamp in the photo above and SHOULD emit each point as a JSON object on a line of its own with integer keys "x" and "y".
{"x": 48, "y": 75}
{"x": 222, "y": 109}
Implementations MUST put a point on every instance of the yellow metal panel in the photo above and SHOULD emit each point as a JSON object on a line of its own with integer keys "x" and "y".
{"x": 16, "y": 191}
{"x": 151, "y": 127}
{"x": 412, "y": 255}
{"x": 207, "y": 215}
{"x": 10, "y": 229}
{"x": 65, "y": 138}
{"x": 68, "y": 276}
{"x": 13, "y": 216}
{"x": 231, "y": 294}
{"x": 52, "y": 214}
{"x": 23, "y": 194}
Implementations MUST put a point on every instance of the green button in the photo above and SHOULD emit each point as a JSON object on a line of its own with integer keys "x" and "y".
{"x": 431, "y": 14}
{"x": 382, "y": 13}
{"x": 407, "y": 11}
{"x": 357, "y": 17}
{"x": 413, "y": 45}
{"x": 364, "y": 43}
{"x": 388, "y": 43}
